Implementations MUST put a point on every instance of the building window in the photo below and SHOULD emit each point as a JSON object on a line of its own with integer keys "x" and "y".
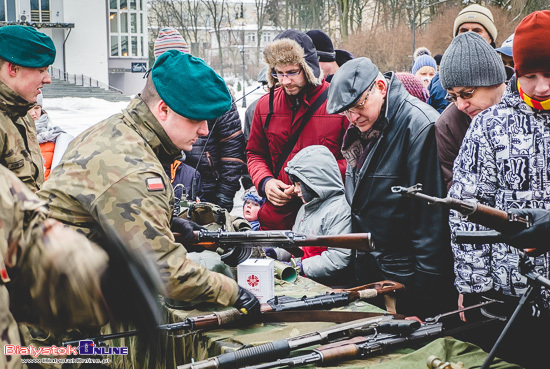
{"x": 40, "y": 11}
{"x": 126, "y": 28}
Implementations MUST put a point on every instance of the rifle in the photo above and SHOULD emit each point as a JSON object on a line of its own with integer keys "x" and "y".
{"x": 214, "y": 240}
{"x": 372, "y": 336}
{"x": 278, "y": 303}
{"x": 471, "y": 210}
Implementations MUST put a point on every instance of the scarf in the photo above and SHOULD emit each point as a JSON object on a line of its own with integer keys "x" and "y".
{"x": 45, "y": 132}
{"x": 357, "y": 144}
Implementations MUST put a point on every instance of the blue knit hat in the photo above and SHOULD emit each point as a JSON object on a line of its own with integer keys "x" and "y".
{"x": 424, "y": 60}
{"x": 252, "y": 195}
{"x": 25, "y": 46}
{"x": 189, "y": 86}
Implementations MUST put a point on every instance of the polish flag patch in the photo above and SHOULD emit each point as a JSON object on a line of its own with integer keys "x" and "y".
{"x": 154, "y": 184}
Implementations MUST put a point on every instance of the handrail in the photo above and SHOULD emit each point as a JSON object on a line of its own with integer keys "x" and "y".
{"x": 81, "y": 80}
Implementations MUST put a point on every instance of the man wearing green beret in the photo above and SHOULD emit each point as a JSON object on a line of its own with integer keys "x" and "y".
{"x": 25, "y": 55}
{"x": 391, "y": 142}
{"x": 112, "y": 175}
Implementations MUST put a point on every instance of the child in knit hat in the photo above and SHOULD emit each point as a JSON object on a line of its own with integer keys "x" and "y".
{"x": 425, "y": 66}
{"x": 251, "y": 206}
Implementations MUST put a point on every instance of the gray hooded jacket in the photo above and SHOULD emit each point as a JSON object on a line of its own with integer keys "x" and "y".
{"x": 327, "y": 214}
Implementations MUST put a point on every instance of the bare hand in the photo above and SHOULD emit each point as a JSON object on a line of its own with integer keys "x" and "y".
{"x": 278, "y": 193}
{"x": 461, "y": 306}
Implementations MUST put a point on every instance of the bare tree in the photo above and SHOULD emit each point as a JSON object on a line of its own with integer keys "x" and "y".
{"x": 261, "y": 15}
{"x": 217, "y": 9}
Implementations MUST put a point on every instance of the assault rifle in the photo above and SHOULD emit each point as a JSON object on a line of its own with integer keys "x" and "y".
{"x": 227, "y": 241}
{"x": 474, "y": 212}
{"x": 278, "y": 303}
{"x": 370, "y": 336}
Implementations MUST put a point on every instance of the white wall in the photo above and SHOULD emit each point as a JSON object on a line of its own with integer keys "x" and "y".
{"x": 87, "y": 45}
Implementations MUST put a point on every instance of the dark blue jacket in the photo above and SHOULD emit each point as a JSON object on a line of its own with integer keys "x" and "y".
{"x": 437, "y": 95}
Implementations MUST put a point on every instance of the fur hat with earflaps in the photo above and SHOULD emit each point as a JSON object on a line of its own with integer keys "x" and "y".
{"x": 293, "y": 47}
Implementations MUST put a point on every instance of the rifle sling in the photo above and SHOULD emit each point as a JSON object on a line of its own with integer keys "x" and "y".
{"x": 319, "y": 316}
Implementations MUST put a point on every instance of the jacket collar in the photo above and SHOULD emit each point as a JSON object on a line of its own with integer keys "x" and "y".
{"x": 138, "y": 115}
{"x": 13, "y": 104}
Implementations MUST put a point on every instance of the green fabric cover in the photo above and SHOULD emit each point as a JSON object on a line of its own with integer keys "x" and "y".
{"x": 190, "y": 87}
{"x": 25, "y": 46}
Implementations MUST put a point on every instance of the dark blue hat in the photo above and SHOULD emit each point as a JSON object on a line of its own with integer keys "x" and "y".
{"x": 323, "y": 44}
{"x": 25, "y": 46}
{"x": 189, "y": 86}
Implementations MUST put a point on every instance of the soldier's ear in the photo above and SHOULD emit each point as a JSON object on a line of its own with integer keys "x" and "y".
{"x": 161, "y": 111}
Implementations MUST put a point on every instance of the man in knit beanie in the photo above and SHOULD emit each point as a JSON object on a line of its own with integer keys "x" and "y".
{"x": 297, "y": 98}
{"x": 473, "y": 75}
{"x": 325, "y": 51}
{"x": 473, "y": 18}
{"x": 503, "y": 162}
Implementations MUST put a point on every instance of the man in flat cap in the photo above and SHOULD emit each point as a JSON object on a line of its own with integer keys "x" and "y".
{"x": 112, "y": 175}
{"x": 391, "y": 142}
{"x": 25, "y": 55}
{"x": 292, "y": 116}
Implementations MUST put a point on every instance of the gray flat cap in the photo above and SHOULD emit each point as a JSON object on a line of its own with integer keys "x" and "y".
{"x": 349, "y": 82}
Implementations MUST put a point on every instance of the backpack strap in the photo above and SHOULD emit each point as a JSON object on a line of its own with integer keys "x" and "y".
{"x": 294, "y": 138}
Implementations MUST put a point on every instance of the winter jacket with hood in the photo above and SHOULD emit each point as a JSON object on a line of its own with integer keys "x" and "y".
{"x": 327, "y": 214}
{"x": 412, "y": 238}
{"x": 265, "y": 144}
{"x": 221, "y": 159}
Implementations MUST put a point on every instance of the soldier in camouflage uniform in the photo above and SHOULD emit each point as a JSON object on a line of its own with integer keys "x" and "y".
{"x": 25, "y": 55}
{"x": 112, "y": 174}
{"x": 34, "y": 269}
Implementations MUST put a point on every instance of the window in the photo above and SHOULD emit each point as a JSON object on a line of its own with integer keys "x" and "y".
{"x": 40, "y": 11}
{"x": 126, "y": 23}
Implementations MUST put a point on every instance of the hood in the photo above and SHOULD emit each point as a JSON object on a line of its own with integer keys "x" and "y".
{"x": 293, "y": 47}
{"x": 316, "y": 166}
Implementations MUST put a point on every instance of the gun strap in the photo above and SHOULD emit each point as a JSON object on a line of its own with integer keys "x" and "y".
{"x": 319, "y": 316}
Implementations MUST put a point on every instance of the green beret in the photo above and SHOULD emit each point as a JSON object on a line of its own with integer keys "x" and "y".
{"x": 25, "y": 46}
{"x": 348, "y": 84}
{"x": 189, "y": 86}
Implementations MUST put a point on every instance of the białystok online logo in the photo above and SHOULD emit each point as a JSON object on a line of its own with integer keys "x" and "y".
{"x": 85, "y": 347}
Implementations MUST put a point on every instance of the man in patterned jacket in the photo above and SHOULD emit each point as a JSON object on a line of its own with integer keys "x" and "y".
{"x": 25, "y": 55}
{"x": 112, "y": 175}
{"x": 503, "y": 162}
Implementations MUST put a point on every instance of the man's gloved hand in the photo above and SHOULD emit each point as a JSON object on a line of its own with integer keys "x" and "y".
{"x": 185, "y": 228}
{"x": 247, "y": 303}
{"x": 278, "y": 253}
{"x": 535, "y": 236}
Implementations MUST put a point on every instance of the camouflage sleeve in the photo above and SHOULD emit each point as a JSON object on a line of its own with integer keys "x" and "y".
{"x": 55, "y": 272}
{"x": 138, "y": 207}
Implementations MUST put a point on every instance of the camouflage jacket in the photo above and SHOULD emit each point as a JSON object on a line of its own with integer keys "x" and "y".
{"x": 20, "y": 154}
{"x": 34, "y": 269}
{"x": 112, "y": 174}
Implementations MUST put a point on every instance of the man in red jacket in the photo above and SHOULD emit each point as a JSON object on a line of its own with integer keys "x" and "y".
{"x": 293, "y": 66}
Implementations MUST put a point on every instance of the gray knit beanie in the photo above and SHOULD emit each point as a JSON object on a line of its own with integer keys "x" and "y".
{"x": 470, "y": 61}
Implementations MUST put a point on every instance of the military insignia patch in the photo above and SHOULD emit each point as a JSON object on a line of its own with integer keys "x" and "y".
{"x": 154, "y": 184}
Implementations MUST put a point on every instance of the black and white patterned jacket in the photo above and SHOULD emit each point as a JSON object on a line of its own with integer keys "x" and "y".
{"x": 504, "y": 161}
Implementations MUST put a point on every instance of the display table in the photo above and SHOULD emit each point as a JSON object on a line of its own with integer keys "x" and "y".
{"x": 173, "y": 349}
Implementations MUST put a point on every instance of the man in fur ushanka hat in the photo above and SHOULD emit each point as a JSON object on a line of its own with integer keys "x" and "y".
{"x": 292, "y": 116}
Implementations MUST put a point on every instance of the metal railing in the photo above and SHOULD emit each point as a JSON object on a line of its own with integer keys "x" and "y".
{"x": 80, "y": 80}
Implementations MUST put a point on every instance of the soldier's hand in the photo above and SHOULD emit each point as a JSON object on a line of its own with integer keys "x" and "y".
{"x": 536, "y": 236}
{"x": 185, "y": 228}
{"x": 247, "y": 303}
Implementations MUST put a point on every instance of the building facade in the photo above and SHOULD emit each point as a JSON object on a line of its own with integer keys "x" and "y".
{"x": 103, "y": 40}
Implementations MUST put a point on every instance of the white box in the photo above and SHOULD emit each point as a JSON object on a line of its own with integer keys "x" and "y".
{"x": 257, "y": 276}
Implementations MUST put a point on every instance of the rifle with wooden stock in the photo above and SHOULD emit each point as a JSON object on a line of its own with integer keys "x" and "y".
{"x": 224, "y": 318}
{"x": 347, "y": 341}
{"x": 471, "y": 210}
{"x": 292, "y": 241}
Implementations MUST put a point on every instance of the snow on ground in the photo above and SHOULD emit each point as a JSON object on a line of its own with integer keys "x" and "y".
{"x": 75, "y": 115}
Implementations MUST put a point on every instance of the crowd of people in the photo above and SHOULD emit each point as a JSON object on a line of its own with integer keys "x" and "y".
{"x": 320, "y": 153}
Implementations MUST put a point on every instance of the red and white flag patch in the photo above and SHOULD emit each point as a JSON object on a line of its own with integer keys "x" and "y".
{"x": 154, "y": 184}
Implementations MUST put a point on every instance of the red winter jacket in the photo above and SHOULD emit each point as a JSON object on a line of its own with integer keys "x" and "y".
{"x": 264, "y": 148}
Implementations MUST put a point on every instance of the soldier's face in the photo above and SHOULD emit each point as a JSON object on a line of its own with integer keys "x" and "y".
{"x": 183, "y": 131}
{"x": 27, "y": 82}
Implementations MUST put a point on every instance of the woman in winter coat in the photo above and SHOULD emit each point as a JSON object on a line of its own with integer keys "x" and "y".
{"x": 52, "y": 139}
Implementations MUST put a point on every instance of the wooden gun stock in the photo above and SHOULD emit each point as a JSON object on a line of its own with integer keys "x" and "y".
{"x": 353, "y": 241}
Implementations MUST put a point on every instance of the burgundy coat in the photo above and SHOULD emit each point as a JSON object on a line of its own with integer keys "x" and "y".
{"x": 265, "y": 147}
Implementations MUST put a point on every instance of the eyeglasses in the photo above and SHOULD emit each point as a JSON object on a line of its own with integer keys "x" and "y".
{"x": 464, "y": 95}
{"x": 287, "y": 75}
{"x": 360, "y": 105}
